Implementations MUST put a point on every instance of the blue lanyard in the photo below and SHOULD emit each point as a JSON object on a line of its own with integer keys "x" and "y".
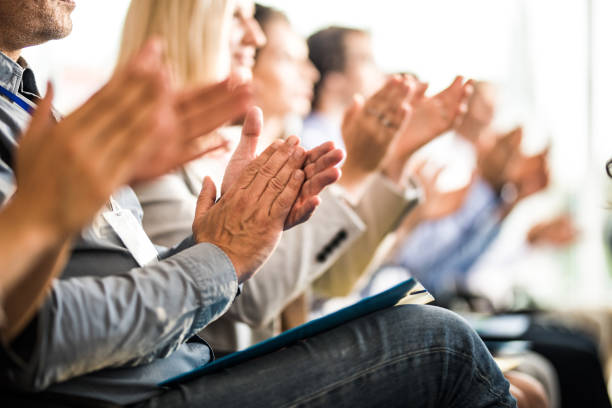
{"x": 14, "y": 98}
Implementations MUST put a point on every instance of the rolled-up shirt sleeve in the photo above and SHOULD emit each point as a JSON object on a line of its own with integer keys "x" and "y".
{"x": 90, "y": 323}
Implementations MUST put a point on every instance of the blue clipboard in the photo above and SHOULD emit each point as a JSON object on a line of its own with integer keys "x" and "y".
{"x": 366, "y": 306}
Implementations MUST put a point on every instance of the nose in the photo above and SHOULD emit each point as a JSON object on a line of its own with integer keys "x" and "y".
{"x": 311, "y": 71}
{"x": 253, "y": 34}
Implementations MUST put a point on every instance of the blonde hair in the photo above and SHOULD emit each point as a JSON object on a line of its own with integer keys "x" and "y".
{"x": 195, "y": 34}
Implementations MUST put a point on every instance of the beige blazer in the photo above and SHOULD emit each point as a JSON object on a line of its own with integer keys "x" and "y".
{"x": 333, "y": 248}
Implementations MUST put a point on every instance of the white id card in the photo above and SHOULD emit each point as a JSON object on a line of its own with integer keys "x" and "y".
{"x": 131, "y": 233}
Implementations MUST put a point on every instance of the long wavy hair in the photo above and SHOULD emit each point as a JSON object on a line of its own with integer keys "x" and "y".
{"x": 195, "y": 34}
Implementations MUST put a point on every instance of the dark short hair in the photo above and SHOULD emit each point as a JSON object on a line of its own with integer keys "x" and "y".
{"x": 265, "y": 14}
{"x": 327, "y": 51}
{"x": 609, "y": 168}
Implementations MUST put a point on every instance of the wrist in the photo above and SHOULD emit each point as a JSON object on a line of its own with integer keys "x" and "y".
{"x": 394, "y": 170}
{"x": 29, "y": 229}
{"x": 352, "y": 177}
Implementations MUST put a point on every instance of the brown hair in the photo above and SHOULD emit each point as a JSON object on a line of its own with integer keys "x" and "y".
{"x": 327, "y": 51}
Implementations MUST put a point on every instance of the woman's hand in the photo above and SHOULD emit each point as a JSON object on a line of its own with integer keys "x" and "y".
{"x": 370, "y": 128}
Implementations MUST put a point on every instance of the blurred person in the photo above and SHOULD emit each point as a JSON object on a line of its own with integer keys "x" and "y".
{"x": 118, "y": 288}
{"x": 440, "y": 252}
{"x": 283, "y": 78}
{"x": 218, "y": 388}
{"x": 504, "y": 177}
{"x": 347, "y": 69}
{"x": 53, "y": 167}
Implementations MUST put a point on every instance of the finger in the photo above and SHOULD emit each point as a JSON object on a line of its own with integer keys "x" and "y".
{"x": 252, "y": 170}
{"x": 41, "y": 119}
{"x": 277, "y": 183}
{"x": 397, "y": 107}
{"x": 419, "y": 168}
{"x": 302, "y": 213}
{"x": 453, "y": 92}
{"x": 148, "y": 58}
{"x": 205, "y": 115}
{"x": 419, "y": 92}
{"x": 145, "y": 63}
{"x": 436, "y": 175}
{"x": 207, "y": 196}
{"x": 193, "y": 101}
{"x": 328, "y": 160}
{"x": 401, "y": 115}
{"x": 280, "y": 207}
{"x": 251, "y": 129}
{"x": 126, "y": 147}
{"x": 314, "y": 154}
{"x": 122, "y": 111}
{"x": 316, "y": 184}
{"x": 375, "y": 104}
{"x": 266, "y": 174}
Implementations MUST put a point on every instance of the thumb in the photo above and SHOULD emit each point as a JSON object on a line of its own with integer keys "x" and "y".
{"x": 420, "y": 91}
{"x": 42, "y": 115}
{"x": 251, "y": 129}
{"x": 454, "y": 90}
{"x": 207, "y": 196}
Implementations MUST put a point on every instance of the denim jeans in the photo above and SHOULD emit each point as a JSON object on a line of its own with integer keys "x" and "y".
{"x": 408, "y": 356}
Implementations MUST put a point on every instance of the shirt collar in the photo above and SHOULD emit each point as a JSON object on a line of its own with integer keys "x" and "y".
{"x": 11, "y": 73}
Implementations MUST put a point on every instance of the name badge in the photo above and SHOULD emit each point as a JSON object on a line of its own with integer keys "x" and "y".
{"x": 131, "y": 233}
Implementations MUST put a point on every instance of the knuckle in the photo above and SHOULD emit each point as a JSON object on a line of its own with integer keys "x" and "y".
{"x": 267, "y": 171}
{"x": 284, "y": 202}
{"x": 276, "y": 184}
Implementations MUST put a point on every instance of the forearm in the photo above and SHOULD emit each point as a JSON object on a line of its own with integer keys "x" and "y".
{"x": 22, "y": 303}
{"x": 33, "y": 255}
{"x": 91, "y": 323}
{"x": 24, "y": 244}
{"x": 296, "y": 262}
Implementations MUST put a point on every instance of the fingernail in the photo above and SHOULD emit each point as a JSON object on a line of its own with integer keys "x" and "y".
{"x": 299, "y": 153}
{"x": 293, "y": 141}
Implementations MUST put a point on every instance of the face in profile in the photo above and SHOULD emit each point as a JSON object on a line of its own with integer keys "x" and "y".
{"x": 39, "y": 20}
{"x": 245, "y": 36}
{"x": 362, "y": 74}
{"x": 283, "y": 75}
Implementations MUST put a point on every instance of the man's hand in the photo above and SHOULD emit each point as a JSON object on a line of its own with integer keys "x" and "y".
{"x": 248, "y": 220}
{"x": 320, "y": 172}
{"x": 432, "y": 116}
{"x": 66, "y": 171}
{"x": 369, "y": 129}
{"x": 318, "y": 167}
{"x": 246, "y": 151}
{"x": 186, "y": 123}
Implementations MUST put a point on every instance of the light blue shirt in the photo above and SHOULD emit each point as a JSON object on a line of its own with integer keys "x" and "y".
{"x": 111, "y": 329}
{"x": 440, "y": 253}
{"x": 318, "y": 129}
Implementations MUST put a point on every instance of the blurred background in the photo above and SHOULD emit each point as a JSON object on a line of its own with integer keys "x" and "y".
{"x": 550, "y": 61}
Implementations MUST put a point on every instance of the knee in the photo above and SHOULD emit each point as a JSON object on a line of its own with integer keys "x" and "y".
{"x": 439, "y": 326}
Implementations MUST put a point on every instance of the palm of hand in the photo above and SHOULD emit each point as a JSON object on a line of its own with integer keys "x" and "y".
{"x": 366, "y": 141}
